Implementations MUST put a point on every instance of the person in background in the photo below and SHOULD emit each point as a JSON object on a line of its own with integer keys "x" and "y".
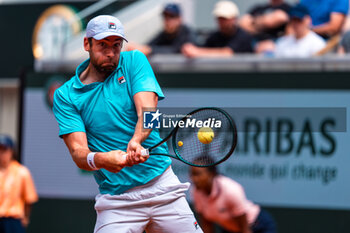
{"x": 228, "y": 40}
{"x": 266, "y": 22}
{"x": 17, "y": 190}
{"x": 328, "y": 16}
{"x": 221, "y": 200}
{"x": 344, "y": 45}
{"x": 303, "y": 42}
{"x": 171, "y": 38}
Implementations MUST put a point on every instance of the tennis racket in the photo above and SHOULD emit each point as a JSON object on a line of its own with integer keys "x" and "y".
{"x": 203, "y": 145}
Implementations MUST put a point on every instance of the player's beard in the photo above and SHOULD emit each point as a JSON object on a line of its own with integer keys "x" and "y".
{"x": 103, "y": 68}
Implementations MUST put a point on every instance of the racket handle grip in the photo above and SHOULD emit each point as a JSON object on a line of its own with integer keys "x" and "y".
{"x": 144, "y": 152}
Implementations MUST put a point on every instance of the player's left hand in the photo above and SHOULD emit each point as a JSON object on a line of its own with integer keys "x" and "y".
{"x": 134, "y": 153}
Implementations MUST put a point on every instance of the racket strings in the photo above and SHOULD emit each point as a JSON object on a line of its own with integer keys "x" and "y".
{"x": 203, "y": 150}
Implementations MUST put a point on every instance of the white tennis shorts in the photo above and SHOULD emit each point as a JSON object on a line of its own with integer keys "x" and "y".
{"x": 158, "y": 206}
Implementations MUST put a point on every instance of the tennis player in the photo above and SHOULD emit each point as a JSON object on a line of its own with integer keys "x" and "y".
{"x": 100, "y": 116}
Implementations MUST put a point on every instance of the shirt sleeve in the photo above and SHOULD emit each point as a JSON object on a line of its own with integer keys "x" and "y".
{"x": 142, "y": 76}
{"x": 340, "y": 6}
{"x": 69, "y": 120}
{"x": 29, "y": 192}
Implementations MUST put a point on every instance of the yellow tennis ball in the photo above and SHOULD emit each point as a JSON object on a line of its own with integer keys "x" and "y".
{"x": 180, "y": 143}
{"x": 205, "y": 135}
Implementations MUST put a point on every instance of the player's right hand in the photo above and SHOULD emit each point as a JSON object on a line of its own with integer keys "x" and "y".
{"x": 114, "y": 161}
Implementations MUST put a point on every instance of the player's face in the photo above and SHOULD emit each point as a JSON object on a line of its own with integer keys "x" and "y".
{"x": 105, "y": 53}
{"x": 201, "y": 178}
{"x": 226, "y": 26}
{"x": 5, "y": 156}
{"x": 171, "y": 23}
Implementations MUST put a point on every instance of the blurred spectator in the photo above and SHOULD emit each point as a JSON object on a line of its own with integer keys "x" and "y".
{"x": 303, "y": 42}
{"x": 17, "y": 191}
{"x": 221, "y": 200}
{"x": 328, "y": 16}
{"x": 346, "y": 26}
{"x": 266, "y": 23}
{"x": 229, "y": 39}
{"x": 344, "y": 46}
{"x": 173, "y": 36}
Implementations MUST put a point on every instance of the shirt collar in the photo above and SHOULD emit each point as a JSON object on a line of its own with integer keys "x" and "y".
{"x": 78, "y": 84}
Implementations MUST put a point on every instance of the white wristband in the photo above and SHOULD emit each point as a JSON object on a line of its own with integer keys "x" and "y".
{"x": 91, "y": 161}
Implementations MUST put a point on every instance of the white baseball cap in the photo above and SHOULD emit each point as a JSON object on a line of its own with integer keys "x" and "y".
{"x": 103, "y": 26}
{"x": 226, "y": 9}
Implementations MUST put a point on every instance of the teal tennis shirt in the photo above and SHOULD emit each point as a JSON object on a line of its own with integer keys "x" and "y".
{"x": 106, "y": 112}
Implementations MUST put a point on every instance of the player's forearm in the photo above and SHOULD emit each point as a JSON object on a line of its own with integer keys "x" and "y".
{"x": 80, "y": 154}
{"x": 80, "y": 158}
{"x": 143, "y": 100}
{"x": 78, "y": 147}
{"x": 112, "y": 161}
{"x": 141, "y": 134}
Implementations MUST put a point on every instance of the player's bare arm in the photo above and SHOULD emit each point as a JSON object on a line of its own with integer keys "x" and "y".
{"x": 112, "y": 161}
{"x": 142, "y": 100}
